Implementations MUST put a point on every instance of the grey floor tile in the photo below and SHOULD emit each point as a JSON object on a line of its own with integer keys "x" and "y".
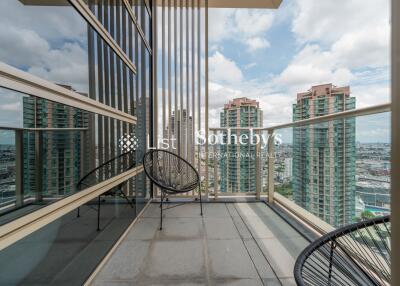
{"x": 176, "y": 259}
{"x": 144, "y": 229}
{"x": 241, "y": 227}
{"x": 220, "y": 228}
{"x": 259, "y": 227}
{"x": 176, "y": 255}
{"x": 254, "y": 209}
{"x": 232, "y": 210}
{"x": 271, "y": 282}
{"x": 174, "y": 210}
{"x": 127, "y": 262}
{"x": 238, "y": 282}
{"x": 152, "y": 211}
{"x": 229, "y": 259}
{"x": 182, "y": 228}
{"x": 281, "y": 254}
{"x": 269, "y": 227}
{"x": 262, "y": 265}
{"x": 113, "y": 283}
{"x": 185, "y": 210}
{"x": 288, "y": 281}
{"x": 215, "y": 210}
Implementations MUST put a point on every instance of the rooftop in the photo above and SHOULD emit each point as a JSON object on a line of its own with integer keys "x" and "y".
{"x": 232, "y": 244}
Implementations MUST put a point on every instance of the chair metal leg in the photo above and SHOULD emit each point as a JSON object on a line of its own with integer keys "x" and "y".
{"x": 201, "y": 204}
{"x": 98, "y": 213}
{"x": 161, "y": 209}
{"x": 78, "y": 214}
{"x": 126, "y": 198}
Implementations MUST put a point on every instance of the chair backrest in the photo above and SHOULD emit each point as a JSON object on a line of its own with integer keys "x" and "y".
{"x": 169, "y": 171}
{"x": 107, "y": 170}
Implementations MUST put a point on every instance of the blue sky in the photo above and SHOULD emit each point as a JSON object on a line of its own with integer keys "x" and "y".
{"x": 270, "y": 55}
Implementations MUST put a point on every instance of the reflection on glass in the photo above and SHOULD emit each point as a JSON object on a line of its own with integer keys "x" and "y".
{"x": 46, "y": 41}
{"x": 7, "y": 167}
{"x": 58, "y": 145}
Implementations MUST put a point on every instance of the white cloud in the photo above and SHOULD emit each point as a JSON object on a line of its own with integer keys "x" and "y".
{"x": 253, "y": 22}
{"x": 50, "y": 42}
{"x": 15, "y": 106}
{"x": 313, "y": 66}
{"x": 245, "y": 26}
{"x": 338, "y": 39}
{"x": 363, "y": 48}
{"x": 250, "y": 65}
{"x": 223, "y": 69}
{"x": 257, "y": 43}
{"x": 370, "y": 94}
{"x": 339, "y": 42}
{"x": 327, "y": 21}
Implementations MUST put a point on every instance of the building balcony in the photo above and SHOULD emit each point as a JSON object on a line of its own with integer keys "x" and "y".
{"x": 232, "y": 244}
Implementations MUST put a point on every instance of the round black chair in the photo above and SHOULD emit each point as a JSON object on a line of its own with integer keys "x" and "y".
{"x": 356, "y": 254}
{"x": 115, "y": 166}
{"x": 171, "y": 173}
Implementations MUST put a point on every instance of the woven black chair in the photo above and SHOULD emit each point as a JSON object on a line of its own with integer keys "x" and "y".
{"x": 105, "y": 171}
{"x": 171, "y": 173}
{"x": 357, "y": 254}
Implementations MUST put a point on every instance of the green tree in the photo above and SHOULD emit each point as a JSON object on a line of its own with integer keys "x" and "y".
{"x": 367, "y": 214}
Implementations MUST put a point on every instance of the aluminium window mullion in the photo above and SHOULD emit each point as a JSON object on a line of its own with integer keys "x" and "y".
{"x": 92, "y": 92}
{"x": 199, "y": 80}
{"x": 163, "y": 66}
{"x": 169, "y": 77}
{"x": 107, "y": 54}
{"x": 181, "y": 146}
{"x": 187, "y": 141}
{"x": 193, "y": 83}
{"x": 113, "y": 17}
{"x": 206, "y": 91}
{"x": 100, "y": 70}
{"x": 175, "y": 76}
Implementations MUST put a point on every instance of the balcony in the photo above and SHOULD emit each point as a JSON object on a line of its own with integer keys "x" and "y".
{"x": 233, "y": 244}
{"x": 95, "y": 74}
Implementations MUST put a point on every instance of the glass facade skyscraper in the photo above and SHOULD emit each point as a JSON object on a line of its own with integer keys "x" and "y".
{"x": 237, "y": 167}
{"x": 324, "y": 155}
{"x": 60, "y": 151}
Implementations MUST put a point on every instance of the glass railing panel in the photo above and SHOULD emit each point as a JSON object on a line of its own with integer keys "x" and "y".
{"x": 7, "y": 168}
{"x": 337, "y": 170}
{"x": 67, "y": 250}
{"x": 58, "y": 146}
{"x": 233, "y": 162}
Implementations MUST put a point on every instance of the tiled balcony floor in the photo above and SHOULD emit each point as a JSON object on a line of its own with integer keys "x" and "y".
{"x": 232, "y": 244}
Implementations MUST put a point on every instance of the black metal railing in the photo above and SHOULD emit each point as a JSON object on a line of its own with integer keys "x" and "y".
{"x": 357, "y": 254}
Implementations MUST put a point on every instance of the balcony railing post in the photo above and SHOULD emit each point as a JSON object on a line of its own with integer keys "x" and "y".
{"x": 215, "y": 165}
{"x": 271, "y": 168}
{"x": 19, "y": 168}
{"x": 258, "y": 167}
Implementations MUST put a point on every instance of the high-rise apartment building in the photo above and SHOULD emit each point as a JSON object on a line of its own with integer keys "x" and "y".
{"x": 324, "y": 155}
{"x": 59, "y": 132}
{"x": 237, "y": 166}
{"x": 183, "y": 132}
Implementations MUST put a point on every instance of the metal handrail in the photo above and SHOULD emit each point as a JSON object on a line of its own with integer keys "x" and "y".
{"x": 355, "y": 254}
{"x": 44, "y": 129}
{"x": 376, "y": 109}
